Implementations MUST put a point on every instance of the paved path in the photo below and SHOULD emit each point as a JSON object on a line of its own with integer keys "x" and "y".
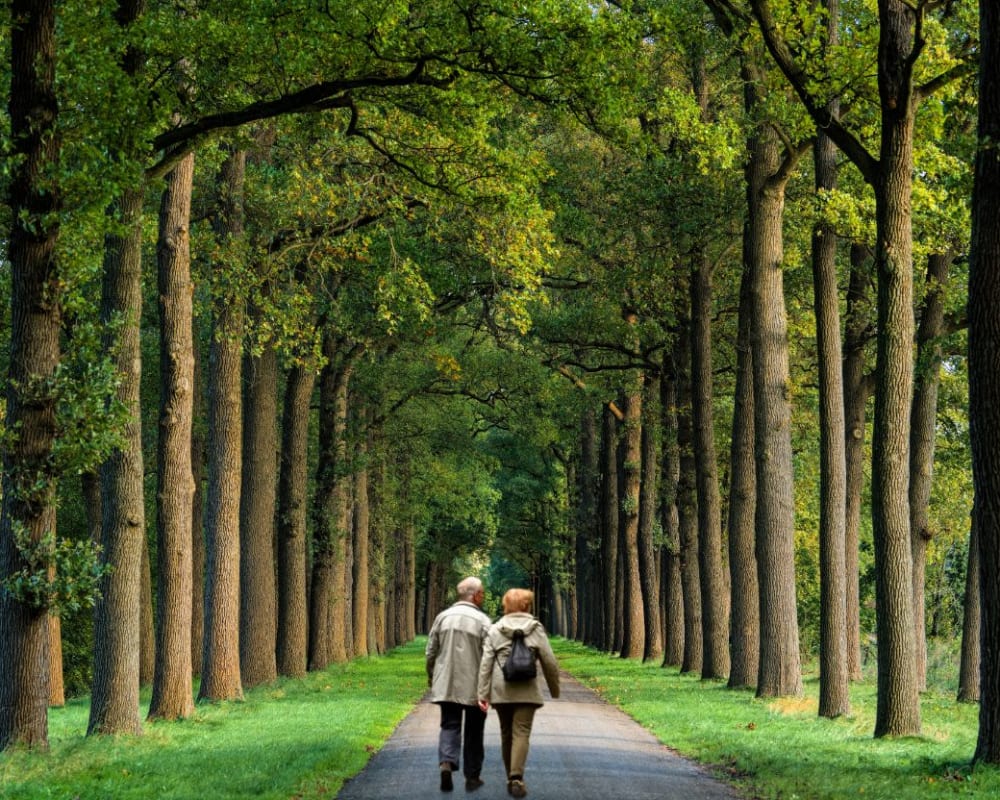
{"x": 581, "y": 748}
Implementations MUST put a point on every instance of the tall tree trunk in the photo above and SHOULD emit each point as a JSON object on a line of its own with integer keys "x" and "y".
{"x": 712, "y": 571}
{"x": 590, "y": 606}
{"x": 779, "y": 673}
{"x": 28, "y": 488}
{"x": 220, "y": 665}
{"x": 834, "y": 694}
{"x": 117, "y": 636}
{"x": 330, "y": 505}
{"x": 377, "y": 558}
{"x": 671, "y": 589}
{"x": 857, "y": 387}
{"x": 923, "y": 430}
{"x": 744, "y": 648}
{"x": 197, "y": 517}
{"x": 172, "y": 696}
{"x": 609, "y": 524}
{"x": 634, "y": 629}
{"x": 362, "y": 542}
{"x": 258, "y": 501}
{"x": 114, "y": 706}
{"x": 292, "y": 523}
{"x": 687, "y": 507}
{"x": 648, "y": 494}
{"x": 984, "y": 374}
{"x": 968, "y": 672}
{"x": 898, "y": 705}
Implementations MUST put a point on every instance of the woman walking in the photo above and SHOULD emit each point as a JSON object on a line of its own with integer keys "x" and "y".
{"x": 515, "y": 700}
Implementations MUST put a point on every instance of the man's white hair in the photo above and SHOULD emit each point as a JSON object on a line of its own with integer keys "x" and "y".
{"x": 469, "y": 587}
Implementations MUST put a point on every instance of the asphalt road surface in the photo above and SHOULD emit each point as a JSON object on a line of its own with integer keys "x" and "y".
{"x": 581, "y": 749}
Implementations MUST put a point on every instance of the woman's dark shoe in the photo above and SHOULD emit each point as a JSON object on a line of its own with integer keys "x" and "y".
{"x": 516, "y": 787}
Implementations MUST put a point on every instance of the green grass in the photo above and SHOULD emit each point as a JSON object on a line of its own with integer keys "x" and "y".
{"x": 300, "y": 739}
{"x": 292, "y": 739}
{"x": 781, "y": 748}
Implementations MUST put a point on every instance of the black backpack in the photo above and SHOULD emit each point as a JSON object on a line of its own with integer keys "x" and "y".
{"x": 520, "y": 665}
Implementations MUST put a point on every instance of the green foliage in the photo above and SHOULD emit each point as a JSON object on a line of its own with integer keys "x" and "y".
{"x": 58, "y": 575}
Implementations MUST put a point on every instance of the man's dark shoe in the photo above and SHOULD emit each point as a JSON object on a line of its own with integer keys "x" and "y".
{"x": 473, "y": 783}
{"x": 446, "y": 783}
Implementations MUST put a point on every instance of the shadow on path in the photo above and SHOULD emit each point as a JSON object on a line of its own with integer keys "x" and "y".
{"x": 581, "y": 748}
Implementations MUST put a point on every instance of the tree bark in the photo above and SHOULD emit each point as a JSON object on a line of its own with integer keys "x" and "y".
{"x": 197, "y": 519}
{"x": 34, "y": 356}
{"x": 898, "y": 705}
{"x": 362, "y": 531}
{"x": 923, "y": 431}
{"x": 779, "y": 673}
{"x": 968, "y": 671}
{"x": 220, "y": 665}
{"x": 609, "y": 524}
{"x": 648, "y": 492}
{"x": 687, "y": 507}
{"x": 292, "y": 523}
{"x": 984, "y": 374}
{"x": 857, "y": 332}
{"x": 117, "y": 637}
{"x": 258, "y": 504}
{"x": 834, "y": 693}
{"x": 744, "y": 648}
{"x": 711, "y": 568}
{"x": 114, "y": 704}
{"x": 671, "y": 588}
{"x": 172, "y": 696}
{"x": 633, "y": 642}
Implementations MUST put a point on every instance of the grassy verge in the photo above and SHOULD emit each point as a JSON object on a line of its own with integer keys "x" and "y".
{"x": 292, "y": 739}
{"x": 782, "y": 749}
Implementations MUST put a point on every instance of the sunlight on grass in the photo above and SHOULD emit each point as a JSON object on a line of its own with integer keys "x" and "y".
{"x": 295, "y": 738}
{"x": 300, "y": 739}
{"x": 779, "y": 748}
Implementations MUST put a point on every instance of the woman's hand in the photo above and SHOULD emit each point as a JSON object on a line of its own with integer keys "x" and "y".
{"x": 484, "y": 705}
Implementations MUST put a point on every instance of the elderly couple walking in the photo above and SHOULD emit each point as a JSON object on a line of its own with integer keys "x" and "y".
{"x": 465, "y": 658}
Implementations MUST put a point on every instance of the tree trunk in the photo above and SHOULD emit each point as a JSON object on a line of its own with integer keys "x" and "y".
{"x": 984, "y": 374}
{"x": 857, "y": 331}
{"x": 687, "y": 507}
{"x": 648, "y": 493}
{"x": 220, "y": 666}
{"x": 609, "y": 525}
{"x": 634, "y": 629}
{"x": 898, "y": 705}
{"x": 28, "y": 490}
{"x": 834, "y": 693}
{"x": 197, "y": 519}
{"x": 744, "y": 648}
{"x": 671, "y": 588}
{"x": 377, "y": 555}
{"x": 172, "y": 696}
{"x": 258, "y": 501}
{"x": 590, "y": 605}
{"x": 968, "y": 672}
{"x": 292, "y": 523}
{"x": 327, "y": 640}
{"x": 147, "y": 635}
{"x": 923, "y": 430}
{"x": 362, "y": 532}
{"x": 117, "y": 636}
{"x": 114, "y": 704}
{"x": 712, "y": 570}
{"x": 779, "y": 673}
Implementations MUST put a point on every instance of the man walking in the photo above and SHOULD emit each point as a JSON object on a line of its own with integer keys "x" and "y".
{"x": 454, "y": 650}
